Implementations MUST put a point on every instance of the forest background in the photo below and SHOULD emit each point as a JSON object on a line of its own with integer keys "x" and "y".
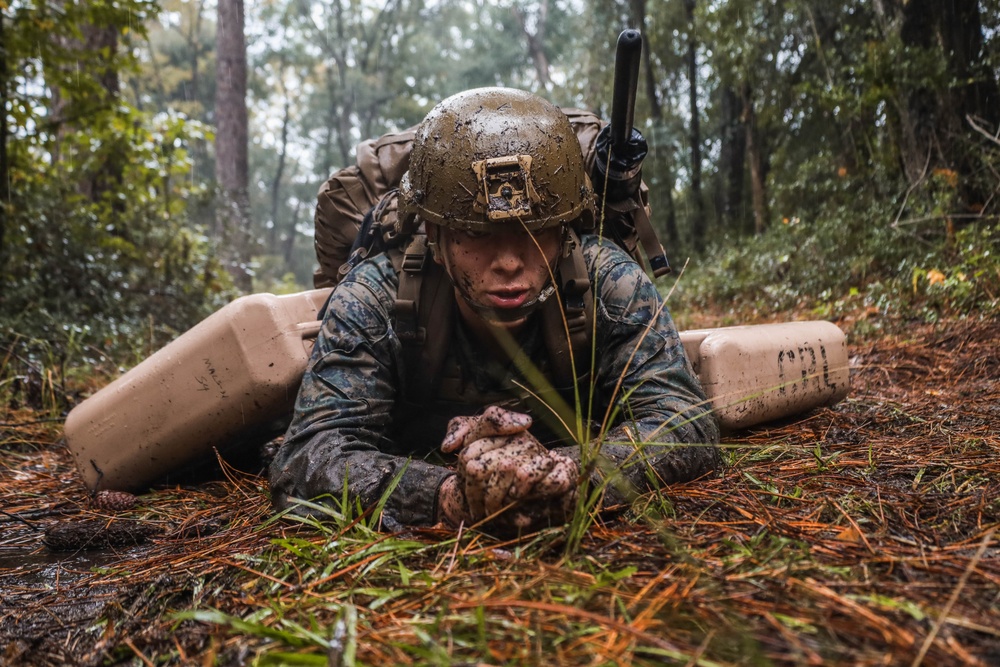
{"x": 159, "y": 158}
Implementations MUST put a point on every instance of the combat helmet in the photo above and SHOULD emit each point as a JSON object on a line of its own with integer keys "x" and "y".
{"x": 496, "y": 156}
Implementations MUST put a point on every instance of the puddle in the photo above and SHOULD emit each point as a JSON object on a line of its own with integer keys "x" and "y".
{"x": 37, "y": 567}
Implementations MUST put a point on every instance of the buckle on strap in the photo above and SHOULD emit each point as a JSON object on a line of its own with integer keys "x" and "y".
{"x": 414, "y": 263}
{"x": 415, "y": 255}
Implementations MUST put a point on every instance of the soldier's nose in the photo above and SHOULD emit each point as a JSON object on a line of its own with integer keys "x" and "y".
{"x": 507, "y": 257}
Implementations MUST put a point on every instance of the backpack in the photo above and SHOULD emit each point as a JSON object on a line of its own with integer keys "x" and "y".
{"x": 356, "y": 216}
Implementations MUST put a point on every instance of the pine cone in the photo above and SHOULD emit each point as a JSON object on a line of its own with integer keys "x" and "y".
{"x": 115, "y": 501}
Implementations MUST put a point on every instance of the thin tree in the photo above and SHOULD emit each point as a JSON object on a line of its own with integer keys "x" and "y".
{"x": 659, "y": 150}
{"x": 536, "y": 40}
{"x": 231, "y": 160}
{"x": 4, "y": 166}
{"x": 698, "y": 221}
{"x": 758, "y": 166}
{"x": 732, "y": 160}
{"x": 279, "y": 174}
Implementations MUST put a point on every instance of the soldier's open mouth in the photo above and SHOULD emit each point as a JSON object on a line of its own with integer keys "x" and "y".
{"x": 507, "y": 298}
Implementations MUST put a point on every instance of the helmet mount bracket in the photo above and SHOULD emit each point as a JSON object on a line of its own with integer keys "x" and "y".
{"x": 506, "y": 189}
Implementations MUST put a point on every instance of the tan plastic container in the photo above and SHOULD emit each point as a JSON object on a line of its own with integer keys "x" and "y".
{"x": 234, "y": 375}
{"x": 757, "y": 373}
{"x": 229, "y": 377}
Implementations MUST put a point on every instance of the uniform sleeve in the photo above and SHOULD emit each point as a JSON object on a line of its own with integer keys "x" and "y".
{"x": 343, "y": 412}
{"x": 662, "y": 429}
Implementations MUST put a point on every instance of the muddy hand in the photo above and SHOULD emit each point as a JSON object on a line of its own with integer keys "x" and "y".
{"x": 495, "y": 421}
{"x": 542, "y": 493}
{"x": 539, "y": 501}
{"x": 500, "y": 472}
{"x": 513, "y": 473}
{"x": 484, "y": 432}
{"x": 501, "y": 465}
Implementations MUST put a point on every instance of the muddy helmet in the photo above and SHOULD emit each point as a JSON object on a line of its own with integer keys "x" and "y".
{"x": 496, "y": 156}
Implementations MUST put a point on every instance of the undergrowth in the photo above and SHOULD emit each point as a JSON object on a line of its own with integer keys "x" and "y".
{"x": 852, "y": 262}
{"x": 460, "y": 597}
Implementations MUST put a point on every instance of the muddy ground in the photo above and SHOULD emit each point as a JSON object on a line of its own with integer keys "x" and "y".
{"x": 858, "y": 534}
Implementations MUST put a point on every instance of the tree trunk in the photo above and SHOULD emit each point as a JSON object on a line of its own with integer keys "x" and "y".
{"x": 231, "y": 161}
{"x": 659, "y": 155}
{"x": 915, "y": 105}
{"x": 758, "y": 174}
{"x": 536, "y": 42}
{"x": 934, "y": 128}
{"x": 98, "y": 46}
{"x": 346, "y": 93}
{"x": 107, "y": 177}
{"x": 652, "y": 94}
{"x": 278, "y": 174}
{"x": 732, "y": 161}
{"x": 194, "y": 45}
{"x": 974, "y": 94}
{"x": 289, "y": 242}
{"x": 328, "y": 162}
{"x": 4, "y": 166}
{"x": 344, "y": 125}
{"x": 698, "y": 221}
{"x": 824, "y": 27}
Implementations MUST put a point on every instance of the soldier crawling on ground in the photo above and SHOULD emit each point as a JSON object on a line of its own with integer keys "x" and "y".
{"x": 498, "y": 190}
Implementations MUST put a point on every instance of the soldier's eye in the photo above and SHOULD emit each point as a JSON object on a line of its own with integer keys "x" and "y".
{"x": 477, "y": 234}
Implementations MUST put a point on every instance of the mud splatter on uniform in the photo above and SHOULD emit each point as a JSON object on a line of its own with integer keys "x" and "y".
{"x": 353, "y": 420}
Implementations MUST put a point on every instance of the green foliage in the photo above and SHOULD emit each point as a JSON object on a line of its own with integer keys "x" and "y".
{"x": 99, "y": 256}
{"x": 963, "y": 277}
{"x": 848, "y": 256}
{"x": 855, "y": 224}
{"x": 781, "y": 268}
{"x": 108, "y": 266}
{"x": 91, "y": 285}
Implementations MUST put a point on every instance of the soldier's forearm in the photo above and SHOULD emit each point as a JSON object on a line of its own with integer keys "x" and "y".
{"x": 324, "y": 464}
{"x": 629, "y": 462}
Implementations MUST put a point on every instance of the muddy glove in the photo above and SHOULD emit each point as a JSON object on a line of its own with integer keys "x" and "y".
{"x": 623, "y": 173}
{"x": 501, "y": 466}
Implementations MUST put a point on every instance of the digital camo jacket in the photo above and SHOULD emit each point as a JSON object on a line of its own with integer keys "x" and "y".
{"x": 353, "y": 421}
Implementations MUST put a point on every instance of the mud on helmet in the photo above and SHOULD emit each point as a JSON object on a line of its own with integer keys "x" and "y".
{"x": 493, "y": 157}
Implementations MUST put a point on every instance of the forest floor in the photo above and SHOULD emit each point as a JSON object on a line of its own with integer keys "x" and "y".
{"x": 862, "y": 534}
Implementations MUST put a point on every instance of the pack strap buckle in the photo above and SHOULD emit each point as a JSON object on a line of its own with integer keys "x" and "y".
{"x": 415, "y": 255}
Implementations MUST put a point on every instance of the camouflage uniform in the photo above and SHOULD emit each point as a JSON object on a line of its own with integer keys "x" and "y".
{"x": 352, "y": 419}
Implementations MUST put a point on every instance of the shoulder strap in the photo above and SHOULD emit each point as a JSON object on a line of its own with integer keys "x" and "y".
{"x": 424, "y": 302}
{"x": 651, "y": 245}
{"x": 629, "y": 226}
{"x": 567, "y": 322}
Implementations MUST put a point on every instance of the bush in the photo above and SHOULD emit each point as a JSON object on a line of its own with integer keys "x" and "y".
{"x": 104, "y": 275}
{"x": 852, "y": 253}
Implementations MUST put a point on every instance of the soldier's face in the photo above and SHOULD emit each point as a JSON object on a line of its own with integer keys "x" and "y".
{"x": 501, "y": 270}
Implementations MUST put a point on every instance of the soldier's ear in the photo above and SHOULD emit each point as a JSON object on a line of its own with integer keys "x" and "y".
{"x": 433, "y": 236}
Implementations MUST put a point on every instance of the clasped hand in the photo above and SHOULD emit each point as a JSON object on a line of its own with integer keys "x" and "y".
{"x": 503, "y": 467}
